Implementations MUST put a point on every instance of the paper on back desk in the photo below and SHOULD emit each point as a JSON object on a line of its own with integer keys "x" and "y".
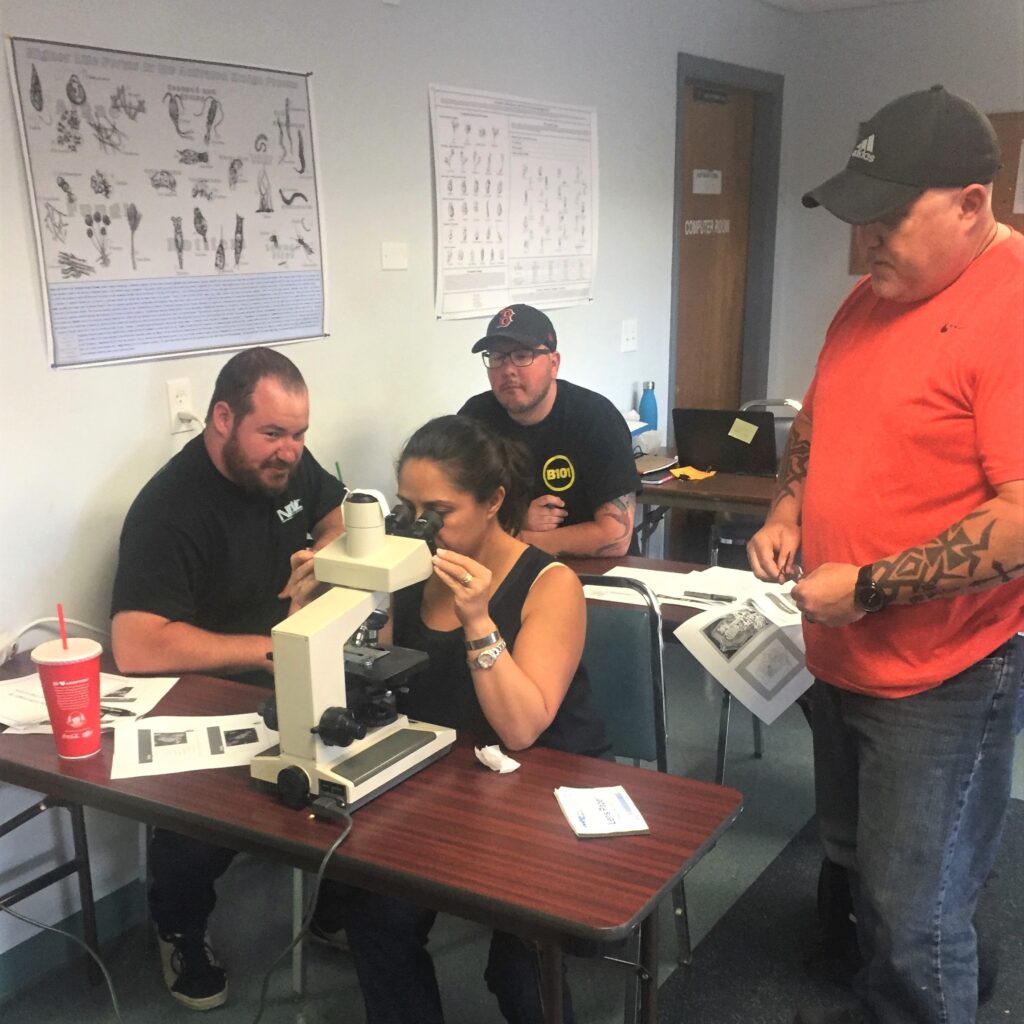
{"x": 23, "y": 708}
{"x": 669, "y": 586}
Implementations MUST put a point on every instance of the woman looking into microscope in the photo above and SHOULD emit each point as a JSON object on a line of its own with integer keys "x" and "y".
{"x": 504, "y": 625}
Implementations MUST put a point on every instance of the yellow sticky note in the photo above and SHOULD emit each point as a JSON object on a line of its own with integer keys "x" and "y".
{"x": 742, "y": 430}
{"x": 690, "y": 473}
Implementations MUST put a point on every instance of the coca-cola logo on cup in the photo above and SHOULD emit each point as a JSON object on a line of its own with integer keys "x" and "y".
{"x": 76, "y": 720}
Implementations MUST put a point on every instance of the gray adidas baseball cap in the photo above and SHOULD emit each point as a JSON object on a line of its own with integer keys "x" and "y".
{"x": 928, "y": 139}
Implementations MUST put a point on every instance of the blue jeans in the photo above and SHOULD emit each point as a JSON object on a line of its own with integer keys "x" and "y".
{"x": 911, "y": 798}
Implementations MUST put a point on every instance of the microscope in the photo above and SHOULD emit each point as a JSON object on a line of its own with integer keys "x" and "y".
{"x": 342, "y": 741}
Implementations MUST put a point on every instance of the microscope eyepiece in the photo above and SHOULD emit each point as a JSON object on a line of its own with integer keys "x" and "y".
{"x": 427, "y": 528}
{"x": 401, "y": 523}
{"x": 400, "y": 519}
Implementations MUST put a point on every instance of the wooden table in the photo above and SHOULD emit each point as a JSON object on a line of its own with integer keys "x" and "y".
{"x": 723, "y": 492}
{"x": 455, "y": 836}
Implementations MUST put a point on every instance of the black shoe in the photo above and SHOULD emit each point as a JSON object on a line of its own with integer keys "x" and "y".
{"x": 816, "y": 1015}
{"x": 191, "y": 971}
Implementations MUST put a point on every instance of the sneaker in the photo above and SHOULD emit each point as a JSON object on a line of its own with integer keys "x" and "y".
{"x": 336, "y": 940}
{"x": 191, "y": 971}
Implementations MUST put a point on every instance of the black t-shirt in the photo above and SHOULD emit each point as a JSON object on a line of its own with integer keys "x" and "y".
{"x": 581, "y": 451}
{"x": 443, "y": 693}
{"x": 199, "y": 549}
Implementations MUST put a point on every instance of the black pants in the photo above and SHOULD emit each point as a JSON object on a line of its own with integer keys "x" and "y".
{"x": 388, "y": 939}
{"x": 184, "y": 871}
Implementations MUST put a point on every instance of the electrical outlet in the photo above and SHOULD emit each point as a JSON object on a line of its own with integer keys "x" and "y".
{"x": 179, "y": 400}
{"x": 628, "y": 335}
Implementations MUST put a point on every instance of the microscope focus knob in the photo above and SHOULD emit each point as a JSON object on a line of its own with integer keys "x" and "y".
{"x": 338, "y": 727}
{"x": 267, "y": 710}
{"x": 293, "y": 787}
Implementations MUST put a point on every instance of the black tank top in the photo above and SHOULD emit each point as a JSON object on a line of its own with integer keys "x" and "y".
{"x": 444, "y": 694}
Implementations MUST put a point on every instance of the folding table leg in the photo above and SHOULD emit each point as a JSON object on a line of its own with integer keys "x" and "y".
{"x": 649, "y": 961}
{"x": 551, "y": 981}
{"x": 298, "y": 911}
{"x": 85, "y": 892}
{"x": 723, "y": 736}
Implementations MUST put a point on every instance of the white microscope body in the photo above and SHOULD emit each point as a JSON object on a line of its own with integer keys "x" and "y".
{"x": 317, "y": 715}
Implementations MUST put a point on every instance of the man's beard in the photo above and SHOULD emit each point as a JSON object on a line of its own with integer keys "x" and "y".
{"x": 247, "y": 476}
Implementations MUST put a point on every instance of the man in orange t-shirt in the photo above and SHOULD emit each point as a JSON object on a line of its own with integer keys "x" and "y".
{"x": 902, "y": 486}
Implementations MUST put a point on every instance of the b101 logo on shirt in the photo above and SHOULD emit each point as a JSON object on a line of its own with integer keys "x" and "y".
{"x": 558, "y": 473}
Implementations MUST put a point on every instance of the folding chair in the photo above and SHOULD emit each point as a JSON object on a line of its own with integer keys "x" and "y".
{"x": 623, "y": 658}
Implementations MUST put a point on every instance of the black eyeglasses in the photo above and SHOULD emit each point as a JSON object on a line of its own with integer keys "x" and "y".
{"x": 519, "y": 357}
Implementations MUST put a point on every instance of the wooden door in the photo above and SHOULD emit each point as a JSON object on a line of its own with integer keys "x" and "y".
{"x": 715, "y": 215}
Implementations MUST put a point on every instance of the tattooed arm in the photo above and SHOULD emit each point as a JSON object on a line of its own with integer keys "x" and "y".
{"x": 607, "y": 535}
{"x": 982, "y": 550}
{"x": 772, "y": 550}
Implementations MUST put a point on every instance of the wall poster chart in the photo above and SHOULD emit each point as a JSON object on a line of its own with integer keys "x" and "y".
{"x": 175, "y": 202}
{"x": 515, "y": 185}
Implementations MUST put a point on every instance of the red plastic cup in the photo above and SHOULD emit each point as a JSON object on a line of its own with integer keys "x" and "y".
{"x": 71, "y": 685}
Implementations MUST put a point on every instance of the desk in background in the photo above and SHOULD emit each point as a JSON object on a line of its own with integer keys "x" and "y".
{"x": 441, "y": 838}
{"x": 723, "y": 492}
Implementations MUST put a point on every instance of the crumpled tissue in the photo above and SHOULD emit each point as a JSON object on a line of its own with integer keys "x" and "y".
{"x": 494, "y": 759}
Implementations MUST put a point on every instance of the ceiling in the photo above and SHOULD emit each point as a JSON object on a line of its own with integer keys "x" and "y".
{"x": 809, "y": 6}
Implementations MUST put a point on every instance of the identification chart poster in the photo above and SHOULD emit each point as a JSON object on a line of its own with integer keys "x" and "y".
{"x": 175, "y": 202}
{"x": 516, "y": 202}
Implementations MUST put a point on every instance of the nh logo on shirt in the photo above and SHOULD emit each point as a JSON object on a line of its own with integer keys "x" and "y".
{"x": 289, "y": 511}
{"x": 865, "y": 149}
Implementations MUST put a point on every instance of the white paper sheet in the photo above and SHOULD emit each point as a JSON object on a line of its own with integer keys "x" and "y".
{"x": 687, "y": 588}
{"x": 165, "y": 744}
{"x": 23, "y": 707}
{"x": 754, "y": 647}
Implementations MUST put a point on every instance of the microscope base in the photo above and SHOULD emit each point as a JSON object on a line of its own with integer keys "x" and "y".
{"x": 368, "y": 767}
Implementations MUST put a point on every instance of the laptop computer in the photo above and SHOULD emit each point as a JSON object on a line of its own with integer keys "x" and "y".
{"x": 726, "y": 440}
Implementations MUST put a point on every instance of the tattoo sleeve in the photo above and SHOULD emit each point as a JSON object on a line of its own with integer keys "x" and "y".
{"x": 621, "y": 511}
{"x": 793, "y": 466}
{"x": 967, "y": 557}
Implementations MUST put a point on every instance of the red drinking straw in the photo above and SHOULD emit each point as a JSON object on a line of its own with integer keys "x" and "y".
{"x": 63, "y": 629}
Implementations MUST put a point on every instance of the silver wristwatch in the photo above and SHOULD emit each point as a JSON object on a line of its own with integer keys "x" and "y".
{"x": 485, "y": 659}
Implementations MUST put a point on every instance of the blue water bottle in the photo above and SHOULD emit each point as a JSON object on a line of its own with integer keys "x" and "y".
{"x": 649, "y": 406}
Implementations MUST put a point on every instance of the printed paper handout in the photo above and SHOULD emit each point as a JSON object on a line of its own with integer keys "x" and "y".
{"x": 165, "y": 744}
{"x": 23, "y": 709}
{"x": 601, "y": 811}
{"x": 754, "y": 647}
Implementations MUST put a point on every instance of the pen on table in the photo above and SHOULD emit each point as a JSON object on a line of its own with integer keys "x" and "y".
{"x": 116, "y": 711}
{"x": 709, "y": 597}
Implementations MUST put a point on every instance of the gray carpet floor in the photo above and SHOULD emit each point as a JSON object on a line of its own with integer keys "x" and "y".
{"x": 750, "y": 967}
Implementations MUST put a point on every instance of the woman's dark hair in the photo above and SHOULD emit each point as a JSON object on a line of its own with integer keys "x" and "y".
{"x": 478, "y": 462}
{"x": 239, "y": 376}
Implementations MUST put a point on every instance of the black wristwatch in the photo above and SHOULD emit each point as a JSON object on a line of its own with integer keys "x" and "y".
{"x": 867, "y": 595}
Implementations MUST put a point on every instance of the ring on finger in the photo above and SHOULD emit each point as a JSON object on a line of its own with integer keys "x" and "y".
{"x": 466, "y": 579}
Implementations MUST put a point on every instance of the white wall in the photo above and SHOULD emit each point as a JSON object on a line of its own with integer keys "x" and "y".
{"x": 81, "y": 442}
{"x": 851, "y": 64}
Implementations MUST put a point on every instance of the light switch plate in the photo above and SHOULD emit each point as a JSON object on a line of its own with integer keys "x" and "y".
{"x": 629, "y": 329}
{"x": 394, "y": 255}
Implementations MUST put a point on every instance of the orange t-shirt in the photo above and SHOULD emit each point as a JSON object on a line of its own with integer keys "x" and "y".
{"x": 917, "y": 412}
